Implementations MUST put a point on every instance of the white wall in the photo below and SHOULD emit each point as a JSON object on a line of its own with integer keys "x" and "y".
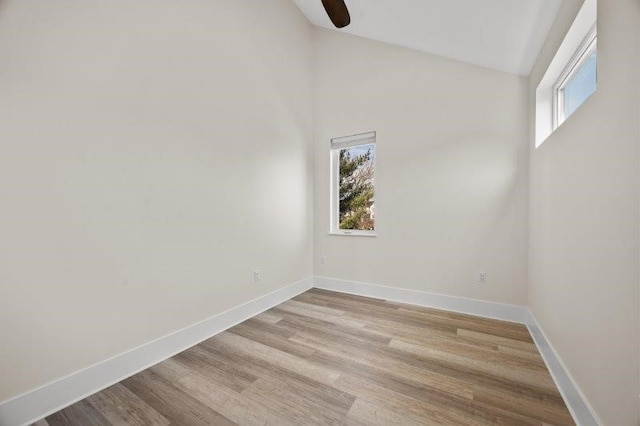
{"x": 451, "y": 177}
{"x": 153, "y": 154}
{"x": 584, "y": 251}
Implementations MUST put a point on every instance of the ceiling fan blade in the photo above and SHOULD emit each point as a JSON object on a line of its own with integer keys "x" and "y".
{"x": 338, "y": 12}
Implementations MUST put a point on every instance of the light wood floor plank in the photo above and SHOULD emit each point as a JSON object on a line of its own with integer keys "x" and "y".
{"x": 331, "y": 358}
{"x": 482, "y": 365}
{"x": 267, "y": 317}
{"x": 120, "y": 406}
{"x": 551, "y": 411}
{"x": 276, "y": 357}
{"x": 289, "y": 379}
{"x": 225, "y": 401}
{"x": 272, "y": 336}
{"x": 200, "y": 361}
{"x": 297, "y": 405}
{"x": 497, "y": 340}
{"x": 177, "y": 406}
{"x": 364, "y": 412}
{"x": 371, "y": 392}
{"x": 387, "y": 364}
{"x": 80, "y": 413}
{"x": 331, "y": 318}
{"x": 420, "y": 391}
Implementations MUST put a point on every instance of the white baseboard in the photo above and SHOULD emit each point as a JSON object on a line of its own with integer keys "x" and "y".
{"x": 577, "y": 404}
{"x": 582, "y": 412}
{"x": 500, "y": 311}
{"x": 47, "y": 399}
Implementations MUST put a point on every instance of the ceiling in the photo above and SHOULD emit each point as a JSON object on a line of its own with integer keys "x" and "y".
{"x": 505, "y": 35}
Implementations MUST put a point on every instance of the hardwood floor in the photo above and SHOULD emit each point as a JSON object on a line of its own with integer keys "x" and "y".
{"x": 326, "y": 357}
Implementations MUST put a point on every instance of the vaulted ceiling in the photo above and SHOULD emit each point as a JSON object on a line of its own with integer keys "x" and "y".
{"x": 505, "y": 35}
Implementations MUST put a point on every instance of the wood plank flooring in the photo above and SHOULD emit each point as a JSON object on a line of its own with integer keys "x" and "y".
{"x": 332, "y": 358}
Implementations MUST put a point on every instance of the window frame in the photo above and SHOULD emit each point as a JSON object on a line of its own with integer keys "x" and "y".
{"x": 575, "y": 64}
{"x": 337, "y": 144}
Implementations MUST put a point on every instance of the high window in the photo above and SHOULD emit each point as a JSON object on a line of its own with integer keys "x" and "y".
{"x": 571, "y": 77}
{"x": 353, "y": 160}
{"x": 578, "y": 80}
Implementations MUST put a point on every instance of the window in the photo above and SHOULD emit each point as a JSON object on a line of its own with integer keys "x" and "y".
{"x": 570, "y": 78}
{"x": 352, "y": 184}
{"x": 578, "y": 80}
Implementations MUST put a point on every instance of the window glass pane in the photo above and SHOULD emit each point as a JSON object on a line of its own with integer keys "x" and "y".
{"x": 581, "y": 86}
{"x": 356, "y": 205}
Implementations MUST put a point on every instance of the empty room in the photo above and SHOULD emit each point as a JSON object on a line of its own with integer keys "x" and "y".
{"x": 292, "y": 212}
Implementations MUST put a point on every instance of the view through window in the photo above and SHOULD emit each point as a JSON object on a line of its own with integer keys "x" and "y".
{"x": 581, "y": 86}
{"x": 579, "y": 79}
{"x": 354, "y": 180}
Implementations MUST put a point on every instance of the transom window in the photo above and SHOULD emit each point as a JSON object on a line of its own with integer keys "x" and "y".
{"x": 352, "y": 184}
{"x": 578, "y": 81}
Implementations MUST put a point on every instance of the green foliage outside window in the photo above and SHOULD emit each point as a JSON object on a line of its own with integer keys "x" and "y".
{"x": 356, "y": 188}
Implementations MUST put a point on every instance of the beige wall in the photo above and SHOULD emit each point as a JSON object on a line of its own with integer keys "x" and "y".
{"x": 584, "y": 220}
{"x": 153, "y": 154}
{"x": 451, "y": 177}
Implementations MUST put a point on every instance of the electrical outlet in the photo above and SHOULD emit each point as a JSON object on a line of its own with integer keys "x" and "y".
{"x": 323, "y": 260}
{"x": 256, "y": 275}
{"x": 482, "y": 277}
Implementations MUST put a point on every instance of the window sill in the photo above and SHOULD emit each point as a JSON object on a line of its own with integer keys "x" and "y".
{"x": 353, "y": 233}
